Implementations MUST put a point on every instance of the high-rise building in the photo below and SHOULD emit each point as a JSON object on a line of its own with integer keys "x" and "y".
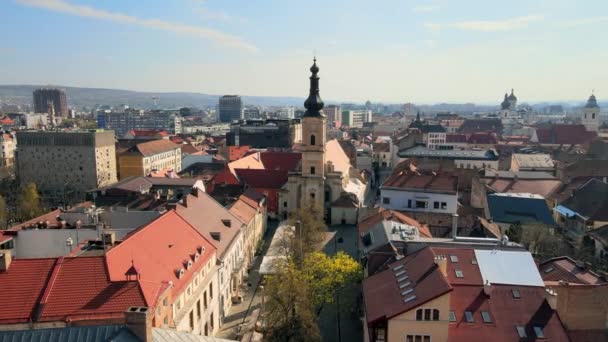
{"x": 230, "y": 108}
{"x": 252, "y": 113}
{"x": 356, "y": 118}
{"x": 285, "y": 113}
{"x": 66, "y": 163}
{"x": 332, "y": 112}
{"x": 47, "y": 98}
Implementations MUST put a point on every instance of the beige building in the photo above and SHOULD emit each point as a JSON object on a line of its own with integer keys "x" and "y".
{"x": 144, "y": 158}
{"x": 69, "y": 162}
{"x": 9, "y": 144}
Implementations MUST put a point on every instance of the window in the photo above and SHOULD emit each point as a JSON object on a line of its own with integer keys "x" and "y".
{"x": 521, "y": 331}
{"x": 313, "y": 140}
{"x": 454, "y": 258}
{"x": 593, "y": 115}
{"x": 516, "y": 294}
{"x": 421, "y": 204}
{"x": 427, "y": 314}
{"x": 312, "y": 170}
{"x": 409, "y": 203}
{"x": 468, "y": 315}
{"x": 485, "y": 316}
{"x": 435, "y": 315}
{"x": 419, "y": 313}
{"x": 166, "y": 320}
{"x": 285, "y": 204}
{"x": 386, "y": 200}
{"x": 452, "y": 316}
{"x": 418, "y": 338}
{"x": 444, "y": 205}
{"x": 211, "y": 290}
{"x": 435, "y": 205}
{"x": 459, "y": 274}
{"x": 198, "y": 309}
{"x": 165, "y": 302}
{"x": 191, "y": 320}
{"x": 380, "y": 334}
{"x": 538, "y": 331}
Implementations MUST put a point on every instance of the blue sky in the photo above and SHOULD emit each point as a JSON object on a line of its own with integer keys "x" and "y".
{"x": 383, "y": 50}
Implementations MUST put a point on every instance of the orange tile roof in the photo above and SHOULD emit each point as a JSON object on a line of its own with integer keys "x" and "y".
{"x": 387, "y": 214}
{"x": 159, "y": 250}
{"x": 153, "y": 147}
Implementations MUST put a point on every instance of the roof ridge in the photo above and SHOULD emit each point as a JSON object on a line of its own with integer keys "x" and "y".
{"x": 49, "y": 287}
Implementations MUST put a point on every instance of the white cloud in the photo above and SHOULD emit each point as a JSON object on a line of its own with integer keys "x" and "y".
{"x": 426, "y": 8}
{"x": 586, "y": 21}
{"x": 90, "y": 12}
{"x": 489, "y": 25}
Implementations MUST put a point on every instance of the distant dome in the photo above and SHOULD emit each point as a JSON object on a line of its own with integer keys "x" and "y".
{"x": 512, "y": 96}
{"x": 592, "y": 102}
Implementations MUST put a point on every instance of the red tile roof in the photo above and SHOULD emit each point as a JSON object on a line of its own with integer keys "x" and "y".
{"x": 237, "y": 152}
{"x": 287, "y": 161}
{"x": 382, "y": 295}
{"x": 153, "y": 147}
{"x": 386, "y": 214}
{"x": 422, "y": 181}
{"x": 159, "y": 250}
{"x": 207, "y": 216}
{"x": 565, "y": 134}
{"x": 50, "y": 217}
{"x": 267, "y": 179}
{"x": 532, "y": 310}
{"x": 60, "y": 289}
{"x": 566, "y": 269}
{"x": 243, "y": 210}
{"x": 148, "y": 133}
{"x": 464, "y": 263}
{"x": 456, "y": 138}
{"x": 483, "y": 138}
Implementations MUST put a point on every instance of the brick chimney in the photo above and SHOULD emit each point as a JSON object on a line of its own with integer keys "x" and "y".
{"x": 442, "y": 264}
{"x": 5, "y": 260}
{"x": 139, "y": 320}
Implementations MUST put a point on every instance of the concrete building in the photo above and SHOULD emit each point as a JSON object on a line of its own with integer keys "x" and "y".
{"x": 285, "y": 113}
{"x": 60, "y": 162}
{"x": 123, "y": 122}
{"x": 356, "y": 118}
{"x": 265, "y": 133}
{"x": 252, "y": 113}
{"x": 230, "y": 108}
{"x": 45, "y": 97}
{"x": 333, "y": 113}
{"x": 155, "y": 155}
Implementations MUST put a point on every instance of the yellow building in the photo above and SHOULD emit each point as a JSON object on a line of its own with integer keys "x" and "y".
{"x": 144, "y": 158}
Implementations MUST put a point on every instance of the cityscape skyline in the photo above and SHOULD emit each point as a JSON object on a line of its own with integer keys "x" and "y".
{"x": 419, "y": 51}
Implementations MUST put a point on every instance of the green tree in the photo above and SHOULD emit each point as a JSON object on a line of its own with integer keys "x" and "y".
{"x": 515, "y": 232}
{"x": 28, "y": 202}
{"x": 310, "y": 229}
{"x": 289, "y": 312}
{"x": 3, "y": 213}
{"x": 542, "y": 242}
{"x": 328, "y": 274}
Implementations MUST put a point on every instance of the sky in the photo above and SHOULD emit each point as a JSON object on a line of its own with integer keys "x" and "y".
{"x": 384, "y": 51}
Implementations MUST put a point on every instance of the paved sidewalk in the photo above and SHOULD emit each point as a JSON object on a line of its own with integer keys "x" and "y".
{"x": 239, "y": 315}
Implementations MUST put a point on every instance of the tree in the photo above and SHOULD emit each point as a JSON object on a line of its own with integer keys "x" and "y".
{"x": 327, "y": 275}
{"x": 28, "y": 202}
{"x": 308, "y": 220}
{"x": 515, "y": 232}
{"x": 3, "y": 213}
{"x": 541, "y": 241}
{"x": 289, "y": 312}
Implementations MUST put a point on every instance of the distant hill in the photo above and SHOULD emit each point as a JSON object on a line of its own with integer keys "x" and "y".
{"x": 92, "y": 97}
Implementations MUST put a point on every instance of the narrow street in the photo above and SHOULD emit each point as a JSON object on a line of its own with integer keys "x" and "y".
{"x": 235, "y": 322}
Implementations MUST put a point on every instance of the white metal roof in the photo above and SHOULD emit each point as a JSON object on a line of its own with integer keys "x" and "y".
{"x": 508, "y": 267}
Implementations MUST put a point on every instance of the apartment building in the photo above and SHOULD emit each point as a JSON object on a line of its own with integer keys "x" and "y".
{"x": 420, "y": 191}
{"x": 155, "y": 155}
{"x": 130, "y": 119}
{"x": 356, "y": 118}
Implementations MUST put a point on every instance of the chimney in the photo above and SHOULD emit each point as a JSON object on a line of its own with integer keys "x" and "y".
{"x": 5, "y": 260}
{"x": 487, "y": 288}
{"x": 109, "y": 238}
{"x": 454, "y": 226}
{"x": 442, "y": 264}
{"x": 139, "y": 320}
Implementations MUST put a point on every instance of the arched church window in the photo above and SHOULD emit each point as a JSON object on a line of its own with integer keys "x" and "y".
{"x": 313, "y": 140}
{"x": 593, "y": 115}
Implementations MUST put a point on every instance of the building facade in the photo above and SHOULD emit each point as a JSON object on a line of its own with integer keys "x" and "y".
{"x": 123, "y": 122}
{"x": 144, "y": 158}
{"x": 356, "y": 118}
{"x": 66, "y": 161}
{"x": 591, "y": 115}
{"x": 230, "y": 108}
{"x": 9, "y": 145}
{"x": 50, "y": 96}
{"x": 265, "y": 133}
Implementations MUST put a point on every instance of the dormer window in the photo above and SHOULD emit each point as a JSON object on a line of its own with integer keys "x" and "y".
{"x": 196, "y": 256}
{"x": 180, "y": 273}
{"x": 189, "y": 264}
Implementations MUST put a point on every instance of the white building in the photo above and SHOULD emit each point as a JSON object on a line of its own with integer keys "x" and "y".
{"x": 356, "y": 118}
{"x": 425, "y": 192}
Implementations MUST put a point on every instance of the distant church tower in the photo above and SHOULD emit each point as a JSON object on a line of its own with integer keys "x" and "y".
{"x": 508, "y": 107}
{"x": 313, "y": 143}
{"x": 591, "y": 115}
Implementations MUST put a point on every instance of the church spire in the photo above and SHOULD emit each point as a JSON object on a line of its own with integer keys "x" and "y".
{"x": 313, "y": 103}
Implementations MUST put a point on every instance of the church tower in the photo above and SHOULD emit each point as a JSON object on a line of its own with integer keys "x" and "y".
{"x": 313, "y": 142}
{"x": 591, "y": 115}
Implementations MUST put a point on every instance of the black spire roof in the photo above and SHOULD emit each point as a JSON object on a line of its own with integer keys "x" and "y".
{"x": 313, "y": 103}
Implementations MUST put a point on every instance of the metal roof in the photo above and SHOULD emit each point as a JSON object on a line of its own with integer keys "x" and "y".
{"x": 99, "y": 333}
{"x": 508, "y": 267}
